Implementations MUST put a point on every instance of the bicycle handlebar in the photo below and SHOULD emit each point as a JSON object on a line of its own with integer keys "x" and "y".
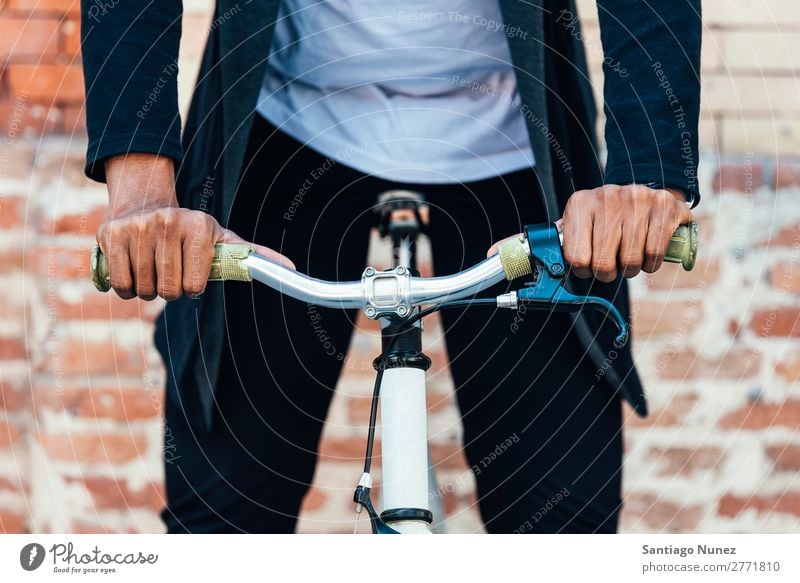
{"x": 395, "y": 292}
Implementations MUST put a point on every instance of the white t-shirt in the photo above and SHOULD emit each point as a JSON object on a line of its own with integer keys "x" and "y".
{"x": 407, "y": 91}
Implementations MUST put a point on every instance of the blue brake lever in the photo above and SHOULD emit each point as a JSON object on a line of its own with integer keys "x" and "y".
{"x": 547, "y": 291}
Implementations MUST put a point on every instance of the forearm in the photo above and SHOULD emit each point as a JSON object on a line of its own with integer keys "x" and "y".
{"x": 130, "y": 60}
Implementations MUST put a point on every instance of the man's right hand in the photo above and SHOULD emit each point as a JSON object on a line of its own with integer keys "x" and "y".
{"x": 153, "y": 247}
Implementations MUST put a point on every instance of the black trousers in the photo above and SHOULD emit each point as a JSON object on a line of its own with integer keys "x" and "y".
{"x": 530, "y": 383}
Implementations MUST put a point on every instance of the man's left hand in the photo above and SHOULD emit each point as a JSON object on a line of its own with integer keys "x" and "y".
{"x": 620, "y": 229}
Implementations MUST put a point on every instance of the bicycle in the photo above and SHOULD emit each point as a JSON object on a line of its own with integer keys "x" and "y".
{"x": 396, "y": 298}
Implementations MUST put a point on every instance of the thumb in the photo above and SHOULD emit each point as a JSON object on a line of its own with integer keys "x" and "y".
{"x": 228, "y": 236}
{"x": 496, "y": 247}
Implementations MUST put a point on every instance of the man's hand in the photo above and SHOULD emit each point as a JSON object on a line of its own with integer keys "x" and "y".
{"x": 620, "y": 229}
{"x": 152, "y": 246}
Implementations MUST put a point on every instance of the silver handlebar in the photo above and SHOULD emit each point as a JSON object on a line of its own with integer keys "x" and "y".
{"x": 379, "y": 293}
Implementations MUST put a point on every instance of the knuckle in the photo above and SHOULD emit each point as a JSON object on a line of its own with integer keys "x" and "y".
{"x": 603, "y": 266}
{"x": 194, "y": 287}
{"x": 653, "y": 252}
{"x": 165, "y": 216}
{"x": 145, "y": 290}
{"x": 631, "y": 259}
{"x": 577, "y": 259}
{"x": 169, "y": 292}
{"x": 121, "y": 284}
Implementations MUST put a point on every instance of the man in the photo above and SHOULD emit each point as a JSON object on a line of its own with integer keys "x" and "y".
{"x": 303, "y": 113}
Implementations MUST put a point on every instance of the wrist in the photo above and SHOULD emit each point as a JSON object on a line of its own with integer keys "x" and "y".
{"x": 139, "y": 181}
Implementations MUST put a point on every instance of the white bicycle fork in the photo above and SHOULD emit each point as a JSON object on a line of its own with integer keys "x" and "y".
{"x": 404, "y": 440}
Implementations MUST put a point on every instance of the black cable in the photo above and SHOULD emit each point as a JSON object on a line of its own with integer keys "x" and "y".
{"x": 373, "y": 413}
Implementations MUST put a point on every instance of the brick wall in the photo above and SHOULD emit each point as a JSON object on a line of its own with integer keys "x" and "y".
{"x": 80, "y": 443}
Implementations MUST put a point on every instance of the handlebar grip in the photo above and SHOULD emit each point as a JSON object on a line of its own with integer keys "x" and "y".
{"x": 682, "y": 248}
{"x": 226, "y": 266}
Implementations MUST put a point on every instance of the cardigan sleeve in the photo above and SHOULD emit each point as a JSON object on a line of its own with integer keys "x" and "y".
{"x": 652, "y": 91}
{"x": 130, "y": 64}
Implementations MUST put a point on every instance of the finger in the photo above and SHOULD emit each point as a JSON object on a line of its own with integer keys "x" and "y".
{"x": 169, "y": 267}
{"x": 144, "y": 268}
{"x": 228, "y": 236}
{"x": 606, "y": 235}
{"x": 120, "y": 275}
{"x": 685, "y": 215}
{"x": 577, "y": 232}
{"x": 494, "y": 249}
{"x": 198, "y": 254}
{"x": 632, "y": 243}
{"x": 658, "y": 235}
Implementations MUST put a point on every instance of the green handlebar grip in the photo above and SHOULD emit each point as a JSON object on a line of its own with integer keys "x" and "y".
{"x": 683, "y": 246}
{"x": 226, "y": 266}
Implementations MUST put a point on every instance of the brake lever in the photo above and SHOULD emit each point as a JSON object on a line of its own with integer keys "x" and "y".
{"x": 547, "y": 290}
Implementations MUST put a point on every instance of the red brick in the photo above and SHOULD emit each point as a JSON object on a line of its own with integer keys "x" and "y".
{"x": 734, "y": 328}
{"x": 9, "y": 434}
{"x": 436, "y": 402}
{"x": 784, "y": 458}
{"x": 79, "y": 357}
{"x": 74, "y": 119}
{"x": 100, "y": 526}
{"x": 12, "y": 349}
{"x": 93, "y": 305}
{"x": 687, "y": 364}
{"x": 120, "y": 404}
{"x": 705, "y": 273}
{"x": 685, "y": 460}
{"x": 10, "y": 485}
{"x": 672, "y": 415}
{"x": 113, "y": 494}
{"x": 450, "y": 501}
{"x": 782, "y": 503}
{"x": 786, "y": 175}
{"x": 785, "y": 277}
{"x": 315, "y": 499}
{"x": 777, "y": 322}
{"x": 661, "y": 515}
{"x": 785, "y": 237}
{"x": 47, "y": 84}
{"x": 62, "y": 262}
{"x": 85, "y": 223}
{"x": 20, "y": 117}
{"x": 358, "y": 409}
{"x": 71, "y": 37}
{"x": 28, "y": 37}
{"x": 12, "y": 307}
{"x": 14, "y": 393}
{"x": 94, "y": 448}
{"x": 345, "y": 449}
{"x": 11, "y": 259}
{"x": 789, "y": 369}
{"x": 740, "y": 177}
{"x": 761, "y": 415}
{"x": 358, "y": 406}
{"x": 448, "y": 455}
{"x": 59, "y": 6}
{"x": 12, "y": 212}
{"x": 657, "y": 318}
{"x": 12, "y": 522}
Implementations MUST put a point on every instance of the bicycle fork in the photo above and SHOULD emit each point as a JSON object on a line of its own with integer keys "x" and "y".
{"x": 404, "y": 431}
